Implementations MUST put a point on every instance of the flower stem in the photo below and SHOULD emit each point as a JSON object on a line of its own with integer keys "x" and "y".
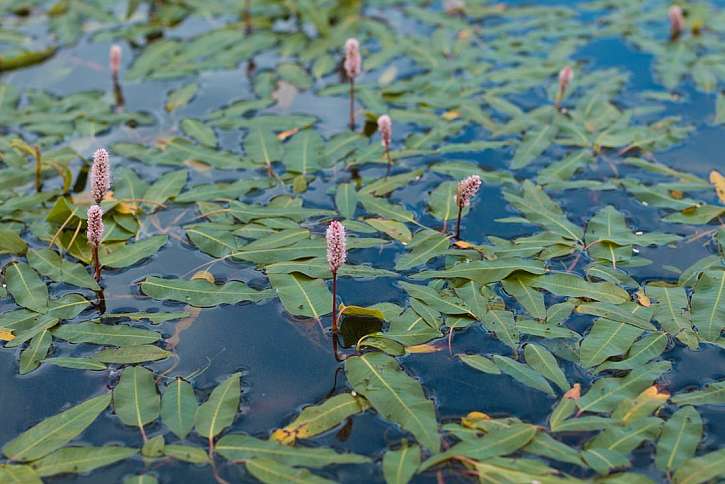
{"x": 352, "y": 104}
{"x": 334, "y": 304}
{"x": 96, "y": 263}
{"x": 38, "y": 169}
{"x": 390, "y": 161}
{"x": 458, "y": 222}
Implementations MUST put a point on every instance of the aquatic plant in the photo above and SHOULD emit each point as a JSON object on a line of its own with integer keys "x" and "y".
{"x": 336, "y": 255}
{"x": 114, "y": 60}
{"x": 353, "y": 68}
{"x": 100, "y": 175}
{"x": 467, "y": 189}
{"x": 385, "y": 126}
{"x": 677, "y": 21}
{"x": 565, "y": 77}
{"x": 94, "y": 232}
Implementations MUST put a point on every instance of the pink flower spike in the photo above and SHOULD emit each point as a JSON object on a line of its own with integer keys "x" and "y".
{"x": 565, "y": 77}
{"x": 95, "y": 226}
{"x": 385, "y": 126}
{"x": 100, "y": 175}
{"x": 467, "y": 189}
{"x": 353, "y": 63}
{"x": 336, "y": 245}
{"x": 114, "y": 56}
{"x": 677, "y": 20}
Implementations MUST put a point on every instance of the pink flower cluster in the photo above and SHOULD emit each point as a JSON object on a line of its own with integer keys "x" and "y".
{"x": 467, "y": 189}
{"x": 385, "y": 126}
{"x": 565, "y": 77}
{"x": 100, "y": 175}
{"x": 114, "y": 56}
{"x": 336, "y": 245}
{"x": 677, "y": 20}
{"x": 353, "y": 63}
{"x": 95, "y": 226}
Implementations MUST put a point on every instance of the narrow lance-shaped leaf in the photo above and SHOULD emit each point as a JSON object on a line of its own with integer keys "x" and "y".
{"x": 135, "y": 398}
{"x": 680, "y": 436}
{"x": 54, "y": 432}
{"x": 218, "y": 412}
{"x": 395, "y": 395}
{"x": 178, "y": 407}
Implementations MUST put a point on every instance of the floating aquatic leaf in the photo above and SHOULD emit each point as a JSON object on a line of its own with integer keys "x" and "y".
{"x": 133, "y": 253}
{"x": 395, "y": 395}
{"x": 54, "y": 432}
{"x": 522, "y": 373}
{"x": 270, "y": 471}
{"x": 237, "y": 447}
{"x": 135, "y": 399}
{"x": 316, "y": 419}
{"x": 708, "y": 305}
{"x": 606, "y": 338}
{"x": 218, "y": 412}
{"x": 131, "y": 354}
{"x": 399, "y": 466}
{"x": 200, "y": 293}
{"x": 26, "y": 287}
{"x": 178, "y": 407}
{"x": 80, "y": 460}
{"x": 680, "y": 436}
{"x": 102, "y": 334}
{"x": 541, "y": 360}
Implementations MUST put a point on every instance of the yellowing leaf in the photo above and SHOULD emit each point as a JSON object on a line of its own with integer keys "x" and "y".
{"x": 643, "y": 299}
{"x": 718, "y": 182}
{"x": 6, "y": 335}
{"x": 203, "y": 276}
{"x": 451, "y": 115}
{"x": 361, "y": 311}
{"x": 574, "y": 393}
{"x": 471, "y": 420}
{"x": 423, "y": 348}
{"x": 288, "y": 133}
{"x": 127, "y": 208}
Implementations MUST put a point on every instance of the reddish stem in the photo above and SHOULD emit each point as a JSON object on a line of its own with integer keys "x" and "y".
{"x": 390, "y": 161}
{"x": 458, "y": 222}
{"x": 352, "y": 104}
{"x": 334, "y": 304}
{"x": 96, "y": 263}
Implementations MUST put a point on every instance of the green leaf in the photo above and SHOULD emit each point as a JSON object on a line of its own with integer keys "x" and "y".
{"x": 180, "y": 97}
{"x": 502, "y": 324}
{"x": 130, "y": 254}
{"x": 316, "y": 419}
{"x": 486, "y": 271}
{"x": 346, "y": 199}
{"x": 26, "y": 287}
{"x": 302, "y": 295}
{"x": 197, "y": 130}
{"x": 541, "y": 210}
{"x": 50, "y": 264}
{"x": 713, "y": 394}
{"x": 519, "y": 286}
{"x": 563, "y": 284}
{"x": 480, "y": 363}
{"x": 399, "y": 466}
{"x": 629, "y": 313}
{"x": 304, "y": 153}
{"x": 395, "y": 395}
{"x": 271, "y": 472}
{"x": 606, "y": 338}
{"x": 426, "y": 244}
{"x": 187, "y": 453}
{"x": 81, "y": 460}
{"x": 104, "y": 334}
{"x": 178, "y": 407}
{"x": 680, "y": 437}
{"x": 708, "y": 305}
{"x": 131, "y": 354}
{"x": 394, "y": 229}
{"x": 36, "y": 351}
{"x": 54, "y": 432}
{"x": 164, "y": 188}
{"x": 10, "y": 242}
{"x": 541, "y": 360}
{"x": 77, "y": 363}
{"x": 547, "y": 446}
{"x": 498, "y": 442}
{"x": 603, "y": 461}
{"x": 200, "y": 293}
{"x": 263, "y": 147}
{"x": 218, "y": 412}
{"x": 18, "y": 474}
{"x": 626, "y": 438}
{"x": 522, "y": 373}
{"x": 701, "y": 469}
{"x": 237, "y": 447}
{"x": 135, "y": 399}
{"x": 606, "y": 393}
{"x": 533, "y": 145}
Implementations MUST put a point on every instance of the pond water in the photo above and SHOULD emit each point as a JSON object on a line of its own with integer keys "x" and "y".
{"x": 470, "y": 92}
